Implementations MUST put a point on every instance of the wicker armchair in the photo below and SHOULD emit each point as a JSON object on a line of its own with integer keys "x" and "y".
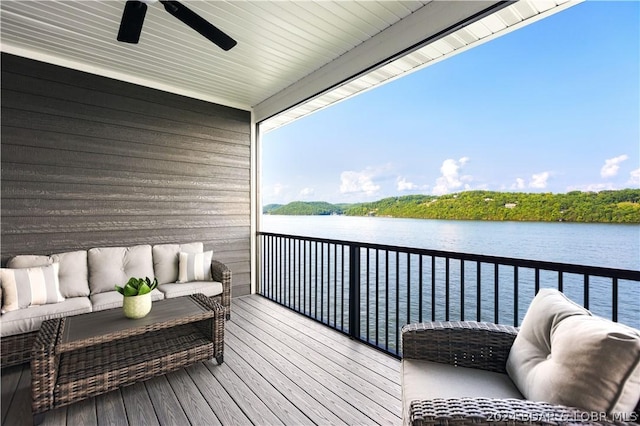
{"x": 483, "y": 346}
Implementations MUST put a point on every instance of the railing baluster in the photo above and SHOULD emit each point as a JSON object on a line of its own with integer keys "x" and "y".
{"x": 292, "y": 273}
{"x": 447, "y": 295}
{"x": 614, "y": 302}
{"x": 420, "y": 283}
{"x": 377, "y": 297}
{"x": 386, "y": 300}
{"x": 368, "y": 301}
{"x": 496, "y": 296}
{"x": 354, "y": 291}
{"x": 408, "y": 288}
{"x": 586, "y": 291}
{"x": 461, "y": 290}
{"x": 515, "y": 296}
{"x": 433, "y": 288}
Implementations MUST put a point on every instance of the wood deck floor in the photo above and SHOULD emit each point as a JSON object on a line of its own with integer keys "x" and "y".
{"x": 280, "y": 369}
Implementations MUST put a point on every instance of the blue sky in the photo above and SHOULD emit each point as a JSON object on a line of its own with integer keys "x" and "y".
{"x": 552, "y": 107}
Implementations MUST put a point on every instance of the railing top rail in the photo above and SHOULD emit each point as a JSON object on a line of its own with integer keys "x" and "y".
{"x": 624, "y": 274}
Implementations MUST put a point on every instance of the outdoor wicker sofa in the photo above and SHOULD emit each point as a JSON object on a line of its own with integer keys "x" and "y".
{"x": 460, "y": 373}
{"x": 87, "y": 280}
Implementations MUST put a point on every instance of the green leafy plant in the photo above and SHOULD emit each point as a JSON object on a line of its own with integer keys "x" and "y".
{"x": 137, "y": 286}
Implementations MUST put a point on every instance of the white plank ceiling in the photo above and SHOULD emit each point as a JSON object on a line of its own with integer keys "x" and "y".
{"x": 288, "y": 52}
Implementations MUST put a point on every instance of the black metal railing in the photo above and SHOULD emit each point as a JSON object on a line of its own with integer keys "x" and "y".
{"x": 370, "y": 291}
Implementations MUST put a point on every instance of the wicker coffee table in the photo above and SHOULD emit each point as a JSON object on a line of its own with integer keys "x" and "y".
{"x": 81, "y": 356}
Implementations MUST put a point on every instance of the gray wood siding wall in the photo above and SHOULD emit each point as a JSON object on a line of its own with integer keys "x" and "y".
{"x": 89, "y": 161}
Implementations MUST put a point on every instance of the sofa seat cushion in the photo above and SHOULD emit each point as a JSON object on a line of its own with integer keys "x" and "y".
{"x": 564, "y": 355}
{"x": 30, "y": 319}
{"x": 113, "y": 299}
{"x": 428, "y": 380}
{"x": 166, "y": 259}
{"x": 208, "y": 288}
{"x": 73, "y": 273}
{"x": 111, "y": 266}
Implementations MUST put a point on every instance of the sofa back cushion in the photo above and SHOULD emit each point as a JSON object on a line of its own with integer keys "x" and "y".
{"x": 166, "y": 259}
{"x": 111, "y": 266}
{"x": 565, "y": 355}
{"x": 73, "y": 274}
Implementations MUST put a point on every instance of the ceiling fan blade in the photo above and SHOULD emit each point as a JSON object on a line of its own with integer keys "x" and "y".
{"x": 132, "y": 20}
{"x": 199, "y": 24}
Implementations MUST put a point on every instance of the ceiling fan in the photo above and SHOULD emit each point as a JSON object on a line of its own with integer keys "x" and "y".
{"x": 133, "y": 18}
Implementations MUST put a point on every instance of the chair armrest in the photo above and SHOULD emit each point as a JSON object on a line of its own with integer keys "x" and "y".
{"x": 496, "y": 412}
{"x": 221, "y": 273}
{"x": 472, "y": 344}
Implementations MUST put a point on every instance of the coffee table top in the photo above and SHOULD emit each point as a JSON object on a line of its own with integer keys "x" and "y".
{"x": 111, "y": 324}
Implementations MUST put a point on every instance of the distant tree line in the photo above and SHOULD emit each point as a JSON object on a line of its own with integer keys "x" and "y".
{"x": 620, "y": 206}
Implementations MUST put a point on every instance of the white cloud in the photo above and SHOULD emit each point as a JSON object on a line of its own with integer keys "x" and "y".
{"x": 634, "y": 177}
{"x": 451, "y": 179}
{"x": 539, "y": 180}
{"x": 612, "y": 165}
{"x": 306, "y": 192}
{"x": 591, "y": 187}
{"x": 402, "y": 184}
{"x": 520, "y": 184}
{"x": 358, "y": 182}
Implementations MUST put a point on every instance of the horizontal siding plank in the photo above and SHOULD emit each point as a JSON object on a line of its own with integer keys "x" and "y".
{"x": 102, "y": 127}
{"x": 25, "y": 85}
{"x": 78, "y": 79}
{"x": 191, "y": 150}
{"x": 83, "y": 175}
{"x": 88, "y": 208}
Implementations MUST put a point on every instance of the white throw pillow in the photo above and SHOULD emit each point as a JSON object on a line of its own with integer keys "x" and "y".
{"x": 565, "y": 355}
{"x": 195, "y": 267}
{"x": 26, "y": 287}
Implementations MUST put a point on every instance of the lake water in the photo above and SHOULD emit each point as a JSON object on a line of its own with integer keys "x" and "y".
{"x": 604, "y": 245}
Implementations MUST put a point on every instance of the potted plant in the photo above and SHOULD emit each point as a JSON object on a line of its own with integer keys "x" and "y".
{"x": 137, "y": 296}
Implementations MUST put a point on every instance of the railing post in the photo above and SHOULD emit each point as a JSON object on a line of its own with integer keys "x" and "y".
{"x": 354, "y": 291}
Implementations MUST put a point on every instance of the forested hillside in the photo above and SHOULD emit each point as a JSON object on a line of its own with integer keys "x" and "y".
{"x": 622, "y": 206}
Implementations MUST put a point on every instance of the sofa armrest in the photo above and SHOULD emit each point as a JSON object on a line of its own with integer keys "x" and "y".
{"x": 465, "y": 411}
{"x": 221, "y": 273}
{"x": 462, "y": 343}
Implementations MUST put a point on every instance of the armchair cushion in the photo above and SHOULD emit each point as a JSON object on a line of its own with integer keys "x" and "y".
{"x": 564, "y": 355}
{"x": 195, "y": 267}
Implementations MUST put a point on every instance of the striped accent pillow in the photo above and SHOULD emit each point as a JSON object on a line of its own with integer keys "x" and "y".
{"x": 26, "y": 287}
{"x": 195, "y": 267}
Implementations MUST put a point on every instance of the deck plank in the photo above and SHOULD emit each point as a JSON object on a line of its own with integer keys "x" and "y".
{"x": 19, "y": 411}
{"x": 286, "y": 411}
{"x": 322, "y": 385}
{"x": 219, "y": 400}
{"x": 252, "y": 406}
{"x": 9, "y": 383}
{"x": 82, "y": 413}
{"x": 138, "y": 405}
{"x": 166, "y": 404}
{"x": 385, "y": 364}
{"x": 110, "y": 409}
{"x": 193, "y": 403}
{"x": 280, "y": 369}
{"x": 340, "y": 365}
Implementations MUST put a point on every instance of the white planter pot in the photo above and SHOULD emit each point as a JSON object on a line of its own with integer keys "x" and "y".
{"x": 137, "y": 306}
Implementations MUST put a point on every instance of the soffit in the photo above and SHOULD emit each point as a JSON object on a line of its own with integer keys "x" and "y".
{"x": 279, "y": 43}
{"x": 495, "y": 24}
